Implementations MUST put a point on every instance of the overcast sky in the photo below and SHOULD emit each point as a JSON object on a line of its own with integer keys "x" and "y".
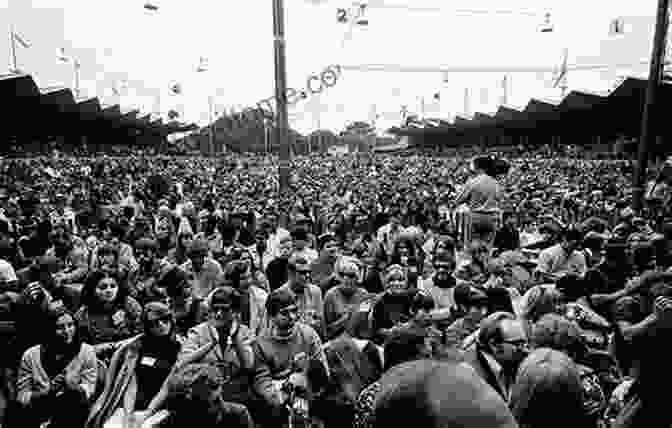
{"x": 120, "y": 41}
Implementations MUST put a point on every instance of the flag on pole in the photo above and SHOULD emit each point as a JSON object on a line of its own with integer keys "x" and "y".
{"x": 20, "y": 40}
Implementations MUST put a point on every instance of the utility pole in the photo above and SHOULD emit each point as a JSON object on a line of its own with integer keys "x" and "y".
{"x": 466, "y": 102}
{"x": 655, "y": 71}
{"x": 77, "y": 66}
{"x": 282, "y": 128}
{"x": 505, "y": 89}
{"x": 212, "y": 126}
{"x": 12, "y": 44}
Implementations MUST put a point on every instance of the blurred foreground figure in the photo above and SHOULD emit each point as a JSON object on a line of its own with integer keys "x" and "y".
{"x": 436, "y": 394}
{"x": 194, "y": 392}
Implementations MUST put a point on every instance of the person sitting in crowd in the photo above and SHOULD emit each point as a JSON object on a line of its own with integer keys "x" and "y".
{"x": 178, "y": 255}
{"x": 558, "y": 333}
{"x": 393, "y": 306}
{"x": 108, "y": 314}
{"x": 195, "y": 389}
{"x": 340, "y": 301}
{"x": 138, "y": 370}
{"x": 500, "y": 347}
{"x": 60, "y": 373}
{"x": 225, "y": 343}
{"x": 548, "y": 379}
{"x": 388, "y": 229}
{"x": 277, "y": 270}
{"x": 252, "y": 298}
{"x": 401, "y": 346}
{"x": 563, "y": 258}
{"x": 471, "y": 306}
{"x": 323, "y": 267}
{"x": 188, "y": 310}
{"x": 287, "y": 347}
{"x": 308, "y": 296}
{"x": 205, "y": 271}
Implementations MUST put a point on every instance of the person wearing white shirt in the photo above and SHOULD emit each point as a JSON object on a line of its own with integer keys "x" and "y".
{"x": 390, "y": 232}
{"x": 563, "y": 258}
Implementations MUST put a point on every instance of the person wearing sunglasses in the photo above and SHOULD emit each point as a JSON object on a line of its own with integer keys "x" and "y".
{"x": 224, "y": 342}
{"x": 140, "y": 366}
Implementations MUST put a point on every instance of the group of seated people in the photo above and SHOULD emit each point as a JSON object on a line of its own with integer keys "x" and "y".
{"x": 166, "y": 315}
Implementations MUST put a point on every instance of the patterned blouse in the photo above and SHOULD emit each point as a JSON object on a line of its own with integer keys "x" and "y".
{"x": 364, "y": 406}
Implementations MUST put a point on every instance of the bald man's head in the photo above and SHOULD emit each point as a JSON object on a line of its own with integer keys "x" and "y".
{"x": 436, "y": 394}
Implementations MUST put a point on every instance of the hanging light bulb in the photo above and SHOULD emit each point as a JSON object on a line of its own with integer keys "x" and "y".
{"x": 202, "y": 65}
{"x": 360, "y": 17}
{"x": 547, "y": 27}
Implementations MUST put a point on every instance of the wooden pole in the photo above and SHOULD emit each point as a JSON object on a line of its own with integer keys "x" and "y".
{"x": 647, "y": 135}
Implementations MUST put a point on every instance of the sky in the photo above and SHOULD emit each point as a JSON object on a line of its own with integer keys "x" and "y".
{"x": 120, "y": 44}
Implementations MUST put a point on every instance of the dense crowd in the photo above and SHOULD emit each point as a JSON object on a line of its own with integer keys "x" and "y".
{"x": 491, "y": 291}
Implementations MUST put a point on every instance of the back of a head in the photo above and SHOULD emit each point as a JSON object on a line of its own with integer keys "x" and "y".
{"x": 548, "y": 379}
{"x": 439, "y": 394}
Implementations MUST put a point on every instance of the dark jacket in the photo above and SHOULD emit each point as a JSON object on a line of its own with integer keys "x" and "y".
{"x": 475, "y": 357}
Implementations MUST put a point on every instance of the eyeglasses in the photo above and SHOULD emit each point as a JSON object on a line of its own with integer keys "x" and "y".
{"x": 289, "y": 311}
{"x": 158, "y": 321}
{"x": 220, "y": 309}
{"x": 518, "y": 343}
{"x": 106, "y": 285}
{"x": 349, "y": 275}
{"x": 303, "y": 272}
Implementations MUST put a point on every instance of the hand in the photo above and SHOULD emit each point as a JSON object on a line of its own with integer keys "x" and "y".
{"x": 58, "y": 279}
{"x": 118, "y": 318}
{"x": 71, "y": 381}
{"x": 662, "y": 306}
{"x": 136, "y": 419}
{"x": 300, "y": 361}
{"x": 34, "y": 290}
{"x": 57, "y": 384}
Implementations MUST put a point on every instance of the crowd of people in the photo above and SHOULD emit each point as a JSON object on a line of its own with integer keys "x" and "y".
{"x": 495, "y": 291}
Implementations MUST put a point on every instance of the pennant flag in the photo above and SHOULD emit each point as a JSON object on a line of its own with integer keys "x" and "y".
{"x": 20, "y": 40}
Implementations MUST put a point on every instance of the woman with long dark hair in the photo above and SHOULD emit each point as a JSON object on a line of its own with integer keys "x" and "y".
{"x": 57, "y": 377}
{"x": 108, "y": 313}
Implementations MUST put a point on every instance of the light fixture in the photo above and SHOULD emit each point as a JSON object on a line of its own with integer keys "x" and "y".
{"x": 360, "y": 16}
{"x": 547, "y": 27}
{"x": 202, "y": 65}
{"x": 151, "y": 6}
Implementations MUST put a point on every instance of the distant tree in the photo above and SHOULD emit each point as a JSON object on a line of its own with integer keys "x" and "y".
{"x": 358, "y": 128}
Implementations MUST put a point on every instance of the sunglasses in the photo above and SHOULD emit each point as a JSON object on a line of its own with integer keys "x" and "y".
{"x": 158, "y": 321}
{"x": 289, "y": 311}
{"x": 303, "y": 272}
{"x": 519, "y": 343}
{"x": 215, "y": 309}
{"x": 106, "y": 285}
